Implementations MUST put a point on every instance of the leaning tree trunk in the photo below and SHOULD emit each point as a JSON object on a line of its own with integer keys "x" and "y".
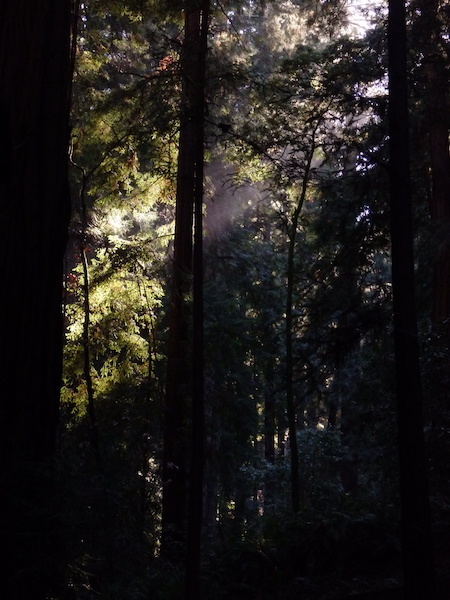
{"x": 35, "y": 77}
{"x": 418, "y": 566}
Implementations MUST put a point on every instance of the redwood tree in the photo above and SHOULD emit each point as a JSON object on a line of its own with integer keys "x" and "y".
{"x": 417, "y": 555}
{"x": 184, "y": 387}
{"x": 432, "y": 45}
{"x": 35, "y": 77}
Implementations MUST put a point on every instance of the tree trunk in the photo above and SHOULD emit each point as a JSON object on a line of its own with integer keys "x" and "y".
{"x": 289, "y": 321}
{"x": 35, "y": 78}
{"x": 418, "y": 566}
{"x": 436, "y": 79}
{"x": 197, "y": 468}
{"x": 184, "y": 387}
{"x": 269, "y": 421}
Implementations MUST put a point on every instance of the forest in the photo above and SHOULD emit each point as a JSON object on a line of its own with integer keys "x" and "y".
{"x": 225, "y": 299}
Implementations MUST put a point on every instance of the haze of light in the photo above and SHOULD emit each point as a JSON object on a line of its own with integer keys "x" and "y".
{"x": 360, "y": 13}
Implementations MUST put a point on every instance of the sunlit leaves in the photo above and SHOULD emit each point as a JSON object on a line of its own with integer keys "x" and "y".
{"x": 124, "y": 299}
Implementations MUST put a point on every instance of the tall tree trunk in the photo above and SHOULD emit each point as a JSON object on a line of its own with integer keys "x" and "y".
{"x": 269, "y": 418}
{"x": 269, "y": 372}
{"x": 290, "y": 400}
{"x": 288, "y": 331}
{"x": 418, "y": 566}
{"x": 182, "y": 372}
{"x": 436, "y": 102}
{"x": 91, "y": 409}
{"x": 197, "y": 468}
{"x": 35, "y": 81}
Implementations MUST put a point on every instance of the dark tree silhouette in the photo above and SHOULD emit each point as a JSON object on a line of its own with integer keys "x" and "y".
{"x": 417, "y": 555}
{"x": 195, "y": 509}
{"x": 184, "y": 386}
{"x": 430, "y": 37}
{"x": 35, "y": 77}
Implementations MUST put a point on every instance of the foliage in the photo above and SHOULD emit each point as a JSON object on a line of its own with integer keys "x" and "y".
{"x": 286, "y": 81}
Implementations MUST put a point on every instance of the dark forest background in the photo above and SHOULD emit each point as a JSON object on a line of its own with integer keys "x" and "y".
{"x": 225, "y": 299}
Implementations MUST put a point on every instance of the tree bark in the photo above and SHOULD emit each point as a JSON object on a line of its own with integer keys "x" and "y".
{"x": 35, "y": 82}
{"x": 289, "y": 321}
{"x": 197, "y": 467}
{"x": 436, "y": 104}
{"x": 417, "y": 555}
{"x": 183, "y": 371}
